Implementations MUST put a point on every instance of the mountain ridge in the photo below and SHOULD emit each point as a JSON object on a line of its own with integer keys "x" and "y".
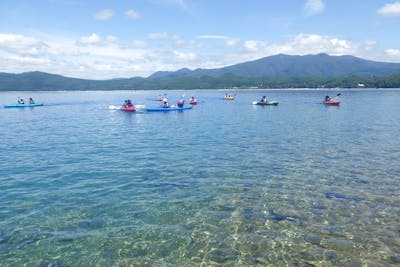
{"x": 280, "y": 71}
{"x": 281, "y": 65}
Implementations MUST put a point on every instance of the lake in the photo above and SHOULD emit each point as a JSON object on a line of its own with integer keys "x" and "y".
{"x": 226, "y": 183}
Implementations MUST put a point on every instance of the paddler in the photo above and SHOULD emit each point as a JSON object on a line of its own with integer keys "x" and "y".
{"x": 263, "y": 99}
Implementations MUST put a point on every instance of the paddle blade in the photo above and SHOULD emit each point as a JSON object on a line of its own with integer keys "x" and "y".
{"x": 140, "y": 106}
{"x": 254, "y": 102}
{"x": 112, "y": 107}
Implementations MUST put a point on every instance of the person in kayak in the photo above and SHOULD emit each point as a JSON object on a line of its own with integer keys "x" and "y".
{"x": 165, "y": 103}
{"x": 180, "y": 103}
{"x": 193, "y": 100}
{"x": 31, "y": 101}
{"x": 20, "y": 100}
{"x": 263, "y": 99}
{"x": 128, "y": 103}
{"x": 327, "y": 98}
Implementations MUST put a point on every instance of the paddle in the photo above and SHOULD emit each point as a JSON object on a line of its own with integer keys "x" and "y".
{"x": 331, "y": 98}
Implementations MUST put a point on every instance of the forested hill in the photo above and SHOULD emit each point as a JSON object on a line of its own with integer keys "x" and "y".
{"x": 279, "y": 71}
{"x": 45, "y": 81}
{"x": 321, "y": 65}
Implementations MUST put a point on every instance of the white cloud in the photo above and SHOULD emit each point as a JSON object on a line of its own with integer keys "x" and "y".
{"x": 390, "y": 10}
{"x": 111, "y": 38}
{"x": 313, "y": 7}
{"x": 158, "y": 36}
{"x": 102, "y": 67}
{"x": 301, "y": 44}
{"x": 232, "y": 42}
{"x": 95, "y": 39}
{"x": 313, "y": 44}
{"x": 340, "y": 43}
{"x": 176, "y": 39}
{"x": 132, "y": 14}
{"x": 89, "y": 40}
{"x": 392, "y": 52}
{"x": 184, "y": 56}
{"x": 30, "y": 60}
{"x": 139, "y": 44}
{"x": 104, "y": 57}
{"x": 104, "y": 14}
{"x": 22, "y": 44}
{"x": 253, "y": 45}
{"x": 369, "y": 45}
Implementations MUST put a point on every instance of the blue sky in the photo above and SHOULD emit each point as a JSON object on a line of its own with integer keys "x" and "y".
{"x": 103, "y": 39}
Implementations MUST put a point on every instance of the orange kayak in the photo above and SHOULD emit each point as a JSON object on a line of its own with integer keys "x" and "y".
{"x": 332, "y": 102}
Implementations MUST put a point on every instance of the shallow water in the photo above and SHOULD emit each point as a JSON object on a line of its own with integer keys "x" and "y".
{"x": 224, "y": 184}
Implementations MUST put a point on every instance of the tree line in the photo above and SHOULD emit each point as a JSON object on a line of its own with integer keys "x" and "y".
{"x": 53, "y": 82}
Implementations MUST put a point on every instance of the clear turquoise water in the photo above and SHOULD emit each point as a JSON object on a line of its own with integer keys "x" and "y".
{"x": 224, "y": 184}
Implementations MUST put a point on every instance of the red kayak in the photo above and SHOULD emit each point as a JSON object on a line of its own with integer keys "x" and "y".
{"x": 128, "y": 108}
{"x": 332, "y": 102}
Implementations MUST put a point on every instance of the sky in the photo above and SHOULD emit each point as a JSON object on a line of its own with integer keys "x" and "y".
{"x": 104, "y": 39}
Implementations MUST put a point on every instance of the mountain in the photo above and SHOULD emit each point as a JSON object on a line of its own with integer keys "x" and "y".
{"x": 321, "y": 65}
{"x": 36, "y": 80}
{"x": 279, "y": 71}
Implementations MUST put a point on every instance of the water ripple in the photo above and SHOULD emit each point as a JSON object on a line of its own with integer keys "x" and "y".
{"x": 224, "y": 184}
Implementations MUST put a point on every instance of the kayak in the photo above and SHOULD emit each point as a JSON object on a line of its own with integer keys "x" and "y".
{"x": 23, "y": 105}
{"x": 168, "y": 109}
{"x": 135, "y": 107}
{"x": 229, "y": 98}
{"x": 332, "y": 102}
{"x": 268, "y": 103}
{"x": 130, "y": 108}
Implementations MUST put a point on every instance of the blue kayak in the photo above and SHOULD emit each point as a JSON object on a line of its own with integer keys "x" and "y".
{"x": 22, "y": 105}
{"x": 168, "y": 109}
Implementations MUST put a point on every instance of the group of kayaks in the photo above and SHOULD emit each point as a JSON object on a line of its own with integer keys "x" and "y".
{"x": 143, "y": 107}
{"x": 329, "y": 101}
{"x": 179, "y": 106}
{"x": 164, "y": 105}
{"x": 128, "y": 106}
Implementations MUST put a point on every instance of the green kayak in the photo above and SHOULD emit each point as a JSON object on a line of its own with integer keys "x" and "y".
{"x": 267, "y": 103}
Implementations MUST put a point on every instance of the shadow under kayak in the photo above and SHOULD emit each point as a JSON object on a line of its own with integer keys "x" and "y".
{"x": 22, "y": 105}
